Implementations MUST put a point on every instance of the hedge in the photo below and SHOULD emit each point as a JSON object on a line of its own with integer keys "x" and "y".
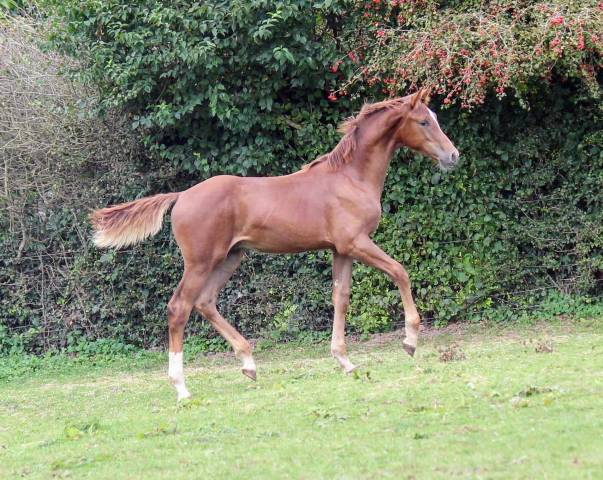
{"x": 247, "y": 88}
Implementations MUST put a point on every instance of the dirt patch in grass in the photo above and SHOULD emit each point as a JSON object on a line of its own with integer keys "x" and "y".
{"x": 543, "y": 346}
{"x": 451, "y": 353}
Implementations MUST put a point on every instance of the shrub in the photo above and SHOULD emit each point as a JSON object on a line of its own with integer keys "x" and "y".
{"x": 466, "y": 50}
{"x": 213, "y": 87}
{"x": 244, "y": 87}
{"x": 56, "y": 163}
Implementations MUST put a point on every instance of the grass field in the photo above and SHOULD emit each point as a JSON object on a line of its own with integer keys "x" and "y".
{"x": 478, "y": 402}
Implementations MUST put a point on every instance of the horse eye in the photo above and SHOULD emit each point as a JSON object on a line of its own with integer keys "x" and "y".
{"x": 424, "y": 123}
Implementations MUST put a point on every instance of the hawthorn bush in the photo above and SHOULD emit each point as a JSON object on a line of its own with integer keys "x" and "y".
{"x": 467, "y": 50}
{"x": 257, "y": 87}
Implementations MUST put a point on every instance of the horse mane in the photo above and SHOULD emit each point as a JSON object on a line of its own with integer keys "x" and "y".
{"x": 342, "y": 153}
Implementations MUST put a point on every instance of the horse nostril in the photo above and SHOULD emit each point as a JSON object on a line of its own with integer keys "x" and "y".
{"x": 454, "y": 157}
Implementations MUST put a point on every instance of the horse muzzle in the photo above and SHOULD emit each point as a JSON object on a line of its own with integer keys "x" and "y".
{"x": 449, "y": 161}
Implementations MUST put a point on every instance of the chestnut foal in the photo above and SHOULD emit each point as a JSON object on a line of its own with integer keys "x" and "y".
{"x": 332, "y": 203}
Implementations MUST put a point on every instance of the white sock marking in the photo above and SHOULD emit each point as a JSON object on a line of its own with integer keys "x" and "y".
{"x": 412, "y": 336}
{"x": 248, "y": 363}
{"x": 176, "y": 374}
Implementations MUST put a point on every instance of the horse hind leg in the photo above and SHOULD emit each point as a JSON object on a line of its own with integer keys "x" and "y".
{"x": 179, "y": 309}
{"x": 206, "y": 306}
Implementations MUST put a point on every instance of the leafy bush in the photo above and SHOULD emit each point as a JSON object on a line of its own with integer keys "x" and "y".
{"x": 244, "y": 87}
{"x": 57, "y": 161}
{"x": 213, "y": 87}
{"x": 466, "y": 50}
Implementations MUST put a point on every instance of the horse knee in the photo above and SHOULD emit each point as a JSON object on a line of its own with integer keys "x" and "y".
{"x": 344, "y": 303}
{"x": 172, "y": 309}
{"x": 176, "y": 315}
{"x": 338, "y": 348}
{"x": 413, "y": 321}
{"x": 400, "y": 276}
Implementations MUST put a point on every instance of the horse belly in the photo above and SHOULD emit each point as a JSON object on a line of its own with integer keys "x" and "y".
{"x": 280, "y": 244}
{"x": 294, "y": 232}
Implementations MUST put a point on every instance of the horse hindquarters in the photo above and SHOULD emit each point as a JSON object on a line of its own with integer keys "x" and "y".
{"x": 203, "y": 222}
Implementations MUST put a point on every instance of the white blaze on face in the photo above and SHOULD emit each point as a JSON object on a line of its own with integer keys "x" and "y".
{"x": 440, "y": 164}
{"x": 176, "y": 374}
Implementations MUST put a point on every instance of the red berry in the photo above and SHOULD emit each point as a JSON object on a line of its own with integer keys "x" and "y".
{"x": 556, "y": 19}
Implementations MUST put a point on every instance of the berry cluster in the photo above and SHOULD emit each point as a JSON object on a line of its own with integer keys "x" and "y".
{"x": 464, "y": 55}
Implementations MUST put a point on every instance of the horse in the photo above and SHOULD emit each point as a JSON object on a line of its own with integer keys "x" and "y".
{"x": 332, "y": 203}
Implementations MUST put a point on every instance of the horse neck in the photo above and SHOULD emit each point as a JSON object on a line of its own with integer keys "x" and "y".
{"x": 371, "y": 159}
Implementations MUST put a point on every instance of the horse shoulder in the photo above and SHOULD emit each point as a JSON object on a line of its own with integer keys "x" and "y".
{"x": 352, "y": 212}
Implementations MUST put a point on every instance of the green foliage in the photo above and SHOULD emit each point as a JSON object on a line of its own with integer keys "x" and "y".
{"x": 468, "y": 50}
{"x": 205, "y": 343}
{"x": 213, "y": 87}
{"x": 13, "y": 343}
{"x": 241, "y": 87}
{"x": 550, "y": 306}
{"x": 75, "y": 431}
{"x": 80, "y": 355}
{"x": 10, "y": 5}
{"x": 103, "y": 347}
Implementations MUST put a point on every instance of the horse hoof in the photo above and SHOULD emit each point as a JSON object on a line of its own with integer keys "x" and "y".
{"x": 351, "y": 369}
{"x": 409, "y": 349}
{"x": 249, "y": 373}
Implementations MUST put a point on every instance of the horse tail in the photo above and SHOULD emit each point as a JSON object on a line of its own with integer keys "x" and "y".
{"x": 131, "y": 222}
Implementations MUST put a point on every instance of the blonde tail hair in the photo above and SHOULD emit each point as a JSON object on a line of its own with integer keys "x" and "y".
{"x": 131, "y": 222}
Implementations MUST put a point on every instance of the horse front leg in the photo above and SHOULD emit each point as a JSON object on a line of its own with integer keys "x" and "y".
{"x": 365, "y": 250}
{"x": 342, "y": 279}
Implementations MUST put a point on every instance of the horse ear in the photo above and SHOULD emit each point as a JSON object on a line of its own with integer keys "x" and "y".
{"x": 426, "y": 98}
{"x": 416, "y": 98}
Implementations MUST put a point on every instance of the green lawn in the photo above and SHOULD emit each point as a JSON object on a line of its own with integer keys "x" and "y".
{"x": 505, "y": 406}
